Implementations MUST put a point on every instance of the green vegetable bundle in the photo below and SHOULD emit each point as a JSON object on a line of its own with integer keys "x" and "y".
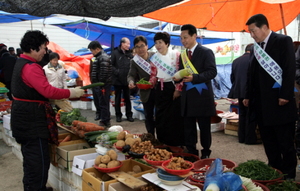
{"x": 142, "y": 81}
{"x": 67, "y": 118}
{"x": 107, "y": 136}
{"x": 257, "y": 170}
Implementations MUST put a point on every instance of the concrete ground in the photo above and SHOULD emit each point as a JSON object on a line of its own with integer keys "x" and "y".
{"x": 223, "y": 146}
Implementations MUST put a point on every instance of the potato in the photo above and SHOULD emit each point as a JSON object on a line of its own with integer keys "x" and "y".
{"x": 128, "y": 135}
{"x": 105, "y": 177}
{"x": 112, "y": 154}
{"x": 138, "y": 139}
{"x": 113, "y": 163}
{"x": 129, "y": 141}
{"x": 121, "y": 135}
{"x": 136, "y": 169}
{"x": 120, "y": 143}
{"x": 98, "y": 160}
{"x": 105, "y": 159}
{"x": 102, "y": 165}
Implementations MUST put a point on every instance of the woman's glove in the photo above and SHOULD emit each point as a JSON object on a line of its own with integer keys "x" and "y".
{"x": 76, "y": 92}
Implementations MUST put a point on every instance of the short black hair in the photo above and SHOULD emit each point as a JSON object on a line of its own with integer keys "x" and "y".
{"x": 94, "y": 45}
{"x": 162, "y": 36}
{"x": 11, "y": 49}
{"x": 191, "y": 28}
{"x": 53, "y": 55}
{"x": 19, "y": 51}
{"x": 33, "y": 40}
{"x": 259, "y": 20}
{"x": 249, "y": 47}
{"x": 137, "y": 39}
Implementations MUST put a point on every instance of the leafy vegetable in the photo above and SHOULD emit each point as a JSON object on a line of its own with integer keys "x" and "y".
{"x": 285, "y": 185}
{"x": 142, "y": 81}
{"x": 257, "y": 170}
{"x": 67, "y": 118}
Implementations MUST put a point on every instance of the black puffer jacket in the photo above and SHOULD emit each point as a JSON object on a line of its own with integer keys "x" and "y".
{"x": 121, "y": 64}
{"x": 298, "y": 66}
{"x": 101, "y": 68}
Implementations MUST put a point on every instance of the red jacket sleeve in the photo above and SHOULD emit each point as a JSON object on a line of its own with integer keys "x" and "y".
{"x": 33, "y": 75}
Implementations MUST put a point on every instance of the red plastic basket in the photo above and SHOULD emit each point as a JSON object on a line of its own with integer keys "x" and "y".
{"x": 177, "y": 172}
{"x": 118, "y": 148}
{"x": 204, "y": 164}
{"x": 196, "y": 180}
{"x": 144, "y": 86}
{"x": 156, "y": 163}
{"x": 107, "y": 170}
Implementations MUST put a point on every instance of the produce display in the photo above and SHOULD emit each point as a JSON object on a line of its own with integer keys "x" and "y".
{"x": 178, "y": 163}
{"x": 107, "y": 161}
{"x": 257, "y": 170}
{"x": 284, "y": 185}
{"x": 67, "y": 118}
{"x": 249, "y": 184}
{"x": 141, "y": 147}
{"x": 158, "y": 155}
{"x": 80, "y": 128}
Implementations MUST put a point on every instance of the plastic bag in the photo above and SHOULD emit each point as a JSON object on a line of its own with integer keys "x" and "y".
{"x": 225, "y": 181}
{"x": 73, "y": 74}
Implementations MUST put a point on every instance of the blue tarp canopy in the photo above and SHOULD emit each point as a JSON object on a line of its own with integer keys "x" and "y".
{"x": 9, "y": 18}
{"x": 108, "y": 33}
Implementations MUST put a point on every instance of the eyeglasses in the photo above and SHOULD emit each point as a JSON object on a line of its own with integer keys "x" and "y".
{"x": 138, "y": 47}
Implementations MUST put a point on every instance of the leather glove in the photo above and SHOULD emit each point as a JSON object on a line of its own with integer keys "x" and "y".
{"x": 76, "y": 92}
{"x": 63, "y": 104}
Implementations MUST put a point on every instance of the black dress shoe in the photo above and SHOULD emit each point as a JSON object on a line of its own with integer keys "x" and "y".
{"x": 130, "y": 119}
{"x": 49, "y": 188}
{"x": 204, "y": 157}
{"x": 97, "y": 117}
{"x": 119, "y": 119}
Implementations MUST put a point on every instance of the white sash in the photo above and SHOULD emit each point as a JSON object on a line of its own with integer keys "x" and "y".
{"x": 160, "y": 62}
{"x": 268, "y": 64}
{"x": 142, "y": 64}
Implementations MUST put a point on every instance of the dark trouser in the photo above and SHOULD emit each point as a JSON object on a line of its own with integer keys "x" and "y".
{"x": 102, "y": 100}
{"x": 297, "y": 135}
{"x": 190, "y": 134}
{"x": 149, "y": 113}
{"x": 36, "y": 163}
{"x": 247, "y": 124}
{"x": 126, "y": 96}
{"x": 279, "y": 147}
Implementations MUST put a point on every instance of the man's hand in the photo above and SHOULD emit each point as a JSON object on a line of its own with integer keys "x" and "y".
{"x": 176, "y": 94}
{"x": 246, "y": 102}
{"x": 282, "y": 101}
{"x": 63, "y": 104}
{"x": 188, "y": 78}
{"x": 131, "y": 85}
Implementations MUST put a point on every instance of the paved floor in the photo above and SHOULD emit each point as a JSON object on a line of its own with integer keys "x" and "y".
{"x": 223, "y": 146}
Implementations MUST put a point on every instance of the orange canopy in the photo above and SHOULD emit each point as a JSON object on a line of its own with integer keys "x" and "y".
{"x": 226, "y": 15}
{"x": 81, "y": 64}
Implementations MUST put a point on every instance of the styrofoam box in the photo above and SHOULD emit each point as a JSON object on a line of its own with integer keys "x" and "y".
{"x": 6, "y": 121}
{"x": 93, "y": 106}
{"x": 85, "y": 104}
{"x": 81, "y": 162}
{"x": 8, "y": 132}
{"x": 75, "y": 104}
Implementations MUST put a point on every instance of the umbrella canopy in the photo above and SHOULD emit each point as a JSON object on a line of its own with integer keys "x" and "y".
{"x": 102, "y": 9}
{"x": 226, "y": 15}
{"x": 106, "y": 32}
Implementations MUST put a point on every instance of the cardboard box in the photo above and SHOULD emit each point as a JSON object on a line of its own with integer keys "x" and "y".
{"x": 231, "y": 127}
{"x": 90, "y": 183}
{"x": 120, "y": 186}
{"x": 65, "y": 154}
{"x": 230, "y": 132}
{"x": 52, "y": 148}
{"x": 6, "y": 121}
{"x": 81, "y": 162}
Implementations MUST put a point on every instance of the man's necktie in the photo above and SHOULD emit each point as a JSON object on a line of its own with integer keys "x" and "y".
{"x": 190, "y": 54}
{"x": 262, "y": 45}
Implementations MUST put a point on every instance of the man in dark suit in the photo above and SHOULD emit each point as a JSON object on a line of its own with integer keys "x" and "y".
{"x": 197, "y": 99}
{"x": 247, "y": 126}
{"x": 271, "y": 94}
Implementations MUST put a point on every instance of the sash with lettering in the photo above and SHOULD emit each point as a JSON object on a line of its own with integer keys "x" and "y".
{"x": 142, "y": 64}
{"x": 160, "y": 62}
{"x": 188, "y": 64}
{"x": 269, "y": 65}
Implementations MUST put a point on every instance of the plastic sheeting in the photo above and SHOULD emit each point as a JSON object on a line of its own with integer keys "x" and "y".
{"x": 102, "y": 9}
{"x": 221, "y": 83}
